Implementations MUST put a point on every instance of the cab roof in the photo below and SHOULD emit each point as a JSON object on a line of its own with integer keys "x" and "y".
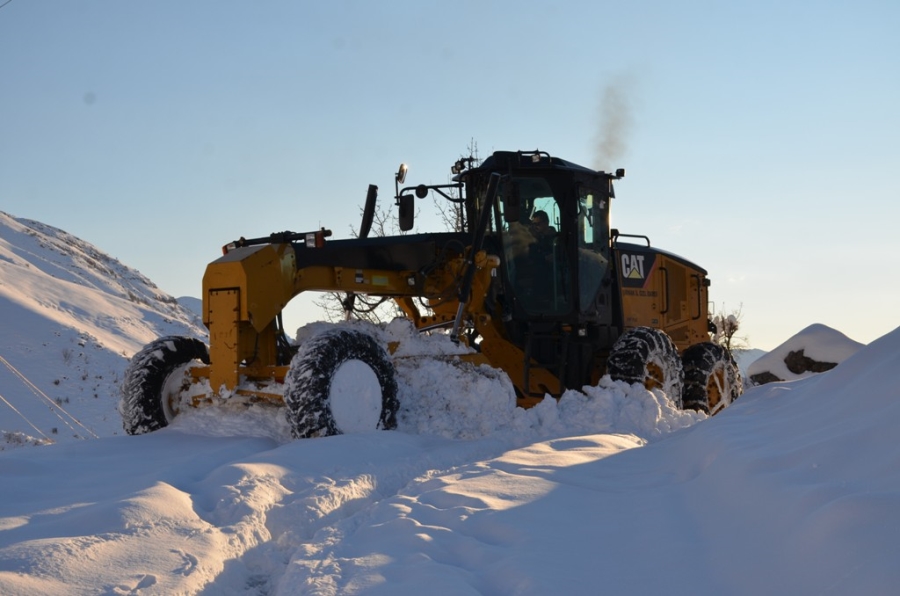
{"x": 505, "y": 160}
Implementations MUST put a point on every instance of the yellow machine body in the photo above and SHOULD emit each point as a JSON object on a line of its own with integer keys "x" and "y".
{"x": 245, "y": 290}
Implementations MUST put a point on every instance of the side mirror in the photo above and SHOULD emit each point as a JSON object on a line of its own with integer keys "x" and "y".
{"x": 401, "y": 173}
{"x": 511, "y": 201}
{"x": 407, "y": 215}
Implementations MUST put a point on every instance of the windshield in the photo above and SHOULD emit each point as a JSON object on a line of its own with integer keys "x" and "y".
{"x": 536, "y": 269}
{"x": 593, "y": 246}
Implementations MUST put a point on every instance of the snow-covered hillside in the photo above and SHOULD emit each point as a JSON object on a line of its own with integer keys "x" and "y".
{"x": 72, "y": 317}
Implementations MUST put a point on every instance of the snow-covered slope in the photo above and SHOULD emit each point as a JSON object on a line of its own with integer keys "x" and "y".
{"x": 792, "y": 490}
{"x": 816, "y": 343}
{"x": 72, "y": 316}
{"x": 745, "y": 357}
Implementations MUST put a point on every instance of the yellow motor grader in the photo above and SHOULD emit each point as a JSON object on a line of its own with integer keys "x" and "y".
{"x": 535, "y": 283}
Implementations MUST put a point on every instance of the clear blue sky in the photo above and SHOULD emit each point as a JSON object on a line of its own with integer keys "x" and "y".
{"x": 760, "y": 139}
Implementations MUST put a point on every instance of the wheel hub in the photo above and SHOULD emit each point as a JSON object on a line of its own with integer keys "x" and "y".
{"x": 655, "y": 377}
{"x": 355, "y": 397}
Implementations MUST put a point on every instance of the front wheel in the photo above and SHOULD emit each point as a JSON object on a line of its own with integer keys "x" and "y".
{"x": 647, "y": 356}
{"x": 712, "y": 379}
{"x": 341, "y": 381}
{"x": 154, "y": 380}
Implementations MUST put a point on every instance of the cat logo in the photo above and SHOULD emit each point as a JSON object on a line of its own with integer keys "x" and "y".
{"x": 633, "y": 266}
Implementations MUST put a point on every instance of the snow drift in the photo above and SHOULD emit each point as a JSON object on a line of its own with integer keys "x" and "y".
{"x": 792, "y": 490}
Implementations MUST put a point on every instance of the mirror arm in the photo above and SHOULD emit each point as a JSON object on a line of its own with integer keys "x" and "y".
{"x": 435, "y": 187}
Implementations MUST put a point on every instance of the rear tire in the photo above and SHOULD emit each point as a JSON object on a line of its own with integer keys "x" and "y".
{"x": 341, "y": 381}
{"x": 712, "y": 379}
{"x": 154, "y": 380}
{"x": 647, "y": 356}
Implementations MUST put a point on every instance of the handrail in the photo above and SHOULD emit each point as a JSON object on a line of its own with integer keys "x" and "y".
{"x": 699, "y": 301}
{"x": 616, "y": 234}
{"x": 665, "y": 273}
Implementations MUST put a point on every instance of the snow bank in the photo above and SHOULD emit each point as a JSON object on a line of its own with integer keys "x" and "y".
{"x": 792, "y": 490}
{"x": 444, "y": 396}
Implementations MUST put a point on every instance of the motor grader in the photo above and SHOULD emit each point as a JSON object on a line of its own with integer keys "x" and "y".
{"x": 534, "y": 283}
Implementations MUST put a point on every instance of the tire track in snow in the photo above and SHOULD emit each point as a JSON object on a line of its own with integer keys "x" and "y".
{"x": 290, "y": 505}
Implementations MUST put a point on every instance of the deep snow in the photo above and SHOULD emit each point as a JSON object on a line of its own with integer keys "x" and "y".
{"x": 792, "y": 490}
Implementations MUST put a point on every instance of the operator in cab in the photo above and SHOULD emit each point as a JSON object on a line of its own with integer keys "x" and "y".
{"x": 544, "y": 233}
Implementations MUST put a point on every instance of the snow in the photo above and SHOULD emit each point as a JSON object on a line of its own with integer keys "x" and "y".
{"x": 818, "y": 342}
{"x": 792, "y": 490}
{"x": 71, "y": 318}
{"x": 745, "y": 357}
{"x": 355, "y": 397}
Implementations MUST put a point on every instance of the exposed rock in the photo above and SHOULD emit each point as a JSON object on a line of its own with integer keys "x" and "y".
{"x": 798, "y": 363}
{"x": 816, "y": 349}
{"x": 763, "y": 378}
